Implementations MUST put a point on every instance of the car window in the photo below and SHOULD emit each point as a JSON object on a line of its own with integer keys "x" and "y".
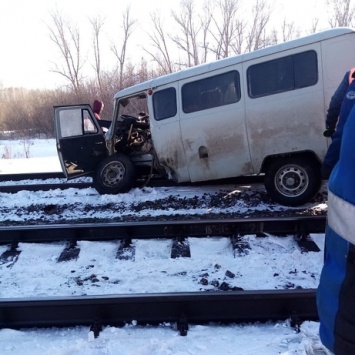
{"x": 76, "y": 122}
{"x": 70, "y": 121}
{"x": 164, "y": 104}
{"x": 89, "y": 125}
{"x": 133, "y": 105}
{"x": 283, "y": 74}
{"x": 214, "y": 91}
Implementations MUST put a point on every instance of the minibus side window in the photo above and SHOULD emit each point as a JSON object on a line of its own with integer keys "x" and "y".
{"x": 164, "y": 104}
{"x": 283, "y": 74}
{"x": 306, "y": 69}
{"x": 215, "y": 91}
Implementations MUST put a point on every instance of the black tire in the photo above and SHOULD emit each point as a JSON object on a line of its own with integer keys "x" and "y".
{"x": 114, "y": 175}
{"x": 292, "y": 181}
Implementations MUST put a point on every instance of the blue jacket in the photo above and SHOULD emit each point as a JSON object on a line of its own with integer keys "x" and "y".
{"x": 347, "y": 104}
{"x": 336, "y": 291}
{"x": 335, "y": 103}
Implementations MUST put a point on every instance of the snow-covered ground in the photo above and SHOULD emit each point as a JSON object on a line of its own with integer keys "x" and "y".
{"x": 37, "y": 273}
{"x": 42, "y": 153}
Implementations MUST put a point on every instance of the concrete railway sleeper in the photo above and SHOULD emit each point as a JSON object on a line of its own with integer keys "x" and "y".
{"x": 178, "y": 231}
{"x": 180, "y": 309}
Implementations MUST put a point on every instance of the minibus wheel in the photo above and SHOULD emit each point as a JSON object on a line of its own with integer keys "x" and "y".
{"x": 292, "y": 181}
{"x": 114, "y": 175}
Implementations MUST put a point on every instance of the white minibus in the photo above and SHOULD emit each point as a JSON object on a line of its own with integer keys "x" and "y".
{"x": 257, "y": 113}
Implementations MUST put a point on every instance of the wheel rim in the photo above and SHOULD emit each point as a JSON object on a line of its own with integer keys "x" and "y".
{"x": 113, "y": 173}
{"x": 291, "y": 180}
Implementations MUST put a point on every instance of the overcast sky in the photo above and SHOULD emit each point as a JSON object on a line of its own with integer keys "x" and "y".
{"x": 27, "y": 53}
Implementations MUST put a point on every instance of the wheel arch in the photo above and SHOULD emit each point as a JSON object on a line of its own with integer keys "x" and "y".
{"x": 306, "y": 154}
{"x": 292, "y": 179}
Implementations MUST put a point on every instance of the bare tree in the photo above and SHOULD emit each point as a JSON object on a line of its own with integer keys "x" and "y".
{"x": 289, "y": 31}
{"x": 128, "y": 26}
{"x": 341, "y": 13}
{"x": 234, "y": 34}
{"x": 226, "y": 25}
{"x": 257, "y": 37}
{"x": 239, "y": 39}
{"x": 97, "y": 24}
{"x": 314, "y": 25}
{"x": 67, "y": 39}
{"x": 159, "y": 41}
{"x": 205, "y": 20}
{"x": 188, "y": 40}
{"x": 192, "y": 41}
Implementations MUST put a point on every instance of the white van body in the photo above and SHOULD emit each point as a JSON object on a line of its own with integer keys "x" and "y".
{"x": 252, "y": 118}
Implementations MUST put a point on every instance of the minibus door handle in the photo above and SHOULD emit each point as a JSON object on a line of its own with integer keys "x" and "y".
{"x": 202, "y": 152}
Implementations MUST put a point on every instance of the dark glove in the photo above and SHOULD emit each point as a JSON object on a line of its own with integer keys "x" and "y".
{"x": 328, "y": 132}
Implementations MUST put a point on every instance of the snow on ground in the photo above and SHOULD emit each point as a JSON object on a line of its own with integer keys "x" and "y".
{"x": 265, "y": 339}
{"x": 14, "y": 153}
{"x": 27, "y": 148}
{"x": 272, "y": 263}
{"x": 37, "y": 273}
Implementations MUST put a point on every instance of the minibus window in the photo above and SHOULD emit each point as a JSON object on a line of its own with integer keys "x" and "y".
{"x": 306, "y": 69}
{"x": 215, "y": 91}
{"x": 283, "y": 74}
{"x": 164, "y": 103}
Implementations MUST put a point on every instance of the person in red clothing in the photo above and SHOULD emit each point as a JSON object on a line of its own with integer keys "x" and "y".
{"x": 97, "y": 107}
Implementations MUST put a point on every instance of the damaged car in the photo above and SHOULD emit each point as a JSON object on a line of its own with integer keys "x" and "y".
{"x": 257, "y": 113}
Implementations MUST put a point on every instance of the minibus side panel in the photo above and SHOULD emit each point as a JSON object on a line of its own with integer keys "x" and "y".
{"x": 286, "y": 122}
{"x": 166, "y": 136}
{"x": 215, "y": 139}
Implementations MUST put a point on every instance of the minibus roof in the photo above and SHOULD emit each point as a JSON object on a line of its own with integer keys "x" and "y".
{"x": 222, "y": 63}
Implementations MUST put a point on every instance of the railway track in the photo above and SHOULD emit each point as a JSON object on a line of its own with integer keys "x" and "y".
{"x": 31, "y": 176}
{"x": 181, "y": 309}
{"x": 64, "y": 184}
{"x": 236, "y": 228}
{"x": 44, "y": 187}
{"x": 16, "y": 187}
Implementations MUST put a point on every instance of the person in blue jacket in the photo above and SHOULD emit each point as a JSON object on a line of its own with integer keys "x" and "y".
{"x": 336, "y": 290}
{"x": 333, "y": 111}
{"x": 339, "y": 108}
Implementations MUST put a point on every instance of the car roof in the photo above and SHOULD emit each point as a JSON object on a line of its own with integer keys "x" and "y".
{"x": 222, "y": 63}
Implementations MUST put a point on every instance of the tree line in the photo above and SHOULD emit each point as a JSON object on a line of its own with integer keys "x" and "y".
{"x": 214, "y": 30}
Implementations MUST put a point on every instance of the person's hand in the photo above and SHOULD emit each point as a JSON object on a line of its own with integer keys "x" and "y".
{"x": 328, "y": 132}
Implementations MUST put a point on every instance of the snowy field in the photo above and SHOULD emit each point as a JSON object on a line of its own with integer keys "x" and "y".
{"x": 42, "y": 156}
{"x": 48, "y": 278}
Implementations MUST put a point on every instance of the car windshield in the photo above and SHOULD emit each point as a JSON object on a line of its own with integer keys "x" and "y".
{"x": 133, "y": 106}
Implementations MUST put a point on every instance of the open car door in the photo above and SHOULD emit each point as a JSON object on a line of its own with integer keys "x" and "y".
{"x": 80, "y": 140}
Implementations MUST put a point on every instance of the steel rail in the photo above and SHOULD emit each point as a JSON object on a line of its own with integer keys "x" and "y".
{"x": 44, "y": 187}
{"x": 60, "y": 175}
{"x": 180, "y": 308}
{"x": 67, "y": 184}
{"x": 161, "y": 229}
{"x": 31, "y": 176}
